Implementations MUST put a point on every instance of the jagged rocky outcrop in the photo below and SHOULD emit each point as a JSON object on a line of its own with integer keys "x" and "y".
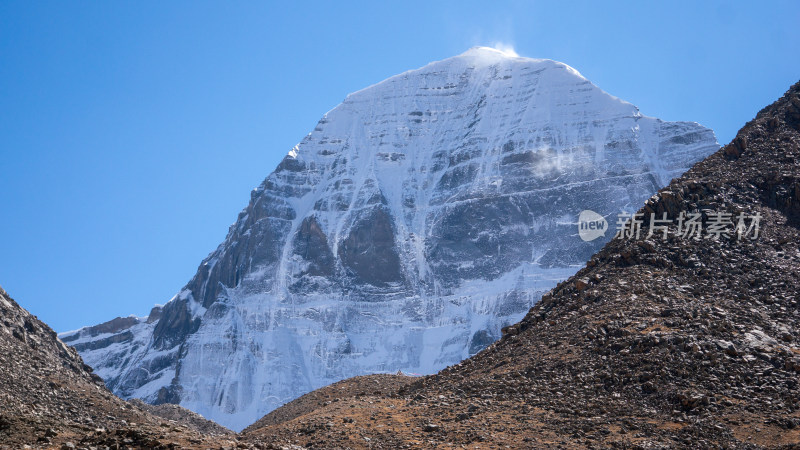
{"x": 656, "y": 343}
{"x": 418, "y": 218}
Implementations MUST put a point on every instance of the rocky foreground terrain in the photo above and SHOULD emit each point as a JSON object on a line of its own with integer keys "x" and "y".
{"x": 50, "y": 399}
{"x": 656, "y": 343}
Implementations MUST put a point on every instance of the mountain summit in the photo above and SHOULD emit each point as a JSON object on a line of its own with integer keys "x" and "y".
{"x": 419, "y": 217}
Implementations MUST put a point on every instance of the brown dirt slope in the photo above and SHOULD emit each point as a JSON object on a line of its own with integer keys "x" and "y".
{"x": 352, "y": 388}
{"x": 676, "y": 343}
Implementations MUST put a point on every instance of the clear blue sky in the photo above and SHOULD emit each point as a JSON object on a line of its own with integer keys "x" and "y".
{"x": 132, "y": 132}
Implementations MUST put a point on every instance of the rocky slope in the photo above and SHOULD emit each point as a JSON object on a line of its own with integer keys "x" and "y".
{"x": 654, "y": 344}
{"x": 419, "y": 217}
{"x": 178, "y": 416}
{"x": 50, "y": 398}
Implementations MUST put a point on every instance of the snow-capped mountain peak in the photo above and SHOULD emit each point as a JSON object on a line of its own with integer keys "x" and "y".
{"x": 419, "y": 216}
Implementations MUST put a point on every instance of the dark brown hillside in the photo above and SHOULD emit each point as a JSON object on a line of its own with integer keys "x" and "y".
{"x": 49, "y": 398}
{"x": 676, "y": 343}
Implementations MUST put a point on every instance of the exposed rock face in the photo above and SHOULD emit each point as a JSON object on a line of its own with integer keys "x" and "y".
{"x": 656, "y": 343}
{"x": 369, "y": 252}
{"x": 311, "y": 244}
{"x": 419, "y": 217}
